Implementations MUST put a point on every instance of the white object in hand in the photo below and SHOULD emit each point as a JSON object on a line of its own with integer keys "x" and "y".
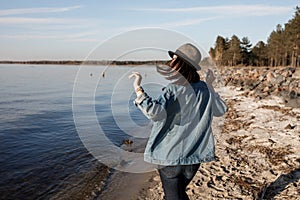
{"x": 137, "y": 81}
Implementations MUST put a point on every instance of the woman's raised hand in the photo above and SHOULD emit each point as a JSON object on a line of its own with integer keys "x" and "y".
{"x": 137, "y": 83}
{"x": 210, "y": 77}
{"x": 138, "y": 79}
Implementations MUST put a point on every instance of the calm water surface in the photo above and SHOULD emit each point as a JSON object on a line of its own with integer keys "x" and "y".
{"x": 41, "y": 154}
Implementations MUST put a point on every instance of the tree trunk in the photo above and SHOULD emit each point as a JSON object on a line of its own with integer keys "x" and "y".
{"x": 293, "y": 59}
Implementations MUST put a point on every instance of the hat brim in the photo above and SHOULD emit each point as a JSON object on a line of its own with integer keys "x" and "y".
{"x": 180, "y": 55}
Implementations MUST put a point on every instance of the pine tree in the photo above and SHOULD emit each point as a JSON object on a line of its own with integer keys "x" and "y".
{"x": 218, "y": 52}
{"x": 259, "y": 54}
{"x": 246, "y": 51}
{"x": 275, "y": 46}
{"x": 234, "y": 51}
{"x": 292, "y": 29}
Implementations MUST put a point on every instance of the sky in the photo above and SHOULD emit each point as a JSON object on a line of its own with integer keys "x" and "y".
{"x": 74, "y": 29}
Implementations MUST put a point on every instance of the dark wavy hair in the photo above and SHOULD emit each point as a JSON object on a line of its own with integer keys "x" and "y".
{"x": 179, "y": 72}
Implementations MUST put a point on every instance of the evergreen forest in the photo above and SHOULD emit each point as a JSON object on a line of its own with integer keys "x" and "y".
{"x": 281, "y": 48}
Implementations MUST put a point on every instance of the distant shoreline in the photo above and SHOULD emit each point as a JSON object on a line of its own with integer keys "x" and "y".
{"x": 88, "y": 62}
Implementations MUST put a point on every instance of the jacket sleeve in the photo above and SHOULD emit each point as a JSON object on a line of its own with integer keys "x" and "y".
{"x": 154, "y": 109}
{"x": 218, "y": 105}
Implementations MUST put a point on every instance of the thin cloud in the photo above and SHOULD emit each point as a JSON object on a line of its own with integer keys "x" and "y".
{"x": 174, "y": 24}
{"x": 28, "y": 20}
{"x": 186, "y": 22}
{"x": 89, "y": 36}
{"x": 253, "y": 10}
{"x": 21, "y": 11}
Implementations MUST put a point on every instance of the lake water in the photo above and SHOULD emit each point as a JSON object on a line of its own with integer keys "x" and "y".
{"x": 41, "y": 153}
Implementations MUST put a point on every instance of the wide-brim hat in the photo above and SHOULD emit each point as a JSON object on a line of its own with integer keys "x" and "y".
{"x": 189, "y": 53}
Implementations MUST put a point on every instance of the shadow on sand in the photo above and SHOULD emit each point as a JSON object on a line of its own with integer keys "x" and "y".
{"x": 279, "y": 185}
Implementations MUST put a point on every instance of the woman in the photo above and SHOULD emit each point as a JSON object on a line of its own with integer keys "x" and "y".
{"x": 181, "y": 137}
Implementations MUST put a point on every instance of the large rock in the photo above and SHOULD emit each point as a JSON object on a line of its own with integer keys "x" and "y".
{"x": 294, "y": 88}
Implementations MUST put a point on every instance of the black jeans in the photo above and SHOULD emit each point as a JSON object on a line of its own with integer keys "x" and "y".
{"x": 175, "y": 179}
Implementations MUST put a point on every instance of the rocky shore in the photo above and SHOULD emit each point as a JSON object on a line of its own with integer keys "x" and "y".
{"x": 257, "y": 141}
{"x": 263, "y": 82}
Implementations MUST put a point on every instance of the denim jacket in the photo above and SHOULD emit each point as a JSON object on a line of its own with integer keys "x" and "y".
{"x": 182, "y": 116}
